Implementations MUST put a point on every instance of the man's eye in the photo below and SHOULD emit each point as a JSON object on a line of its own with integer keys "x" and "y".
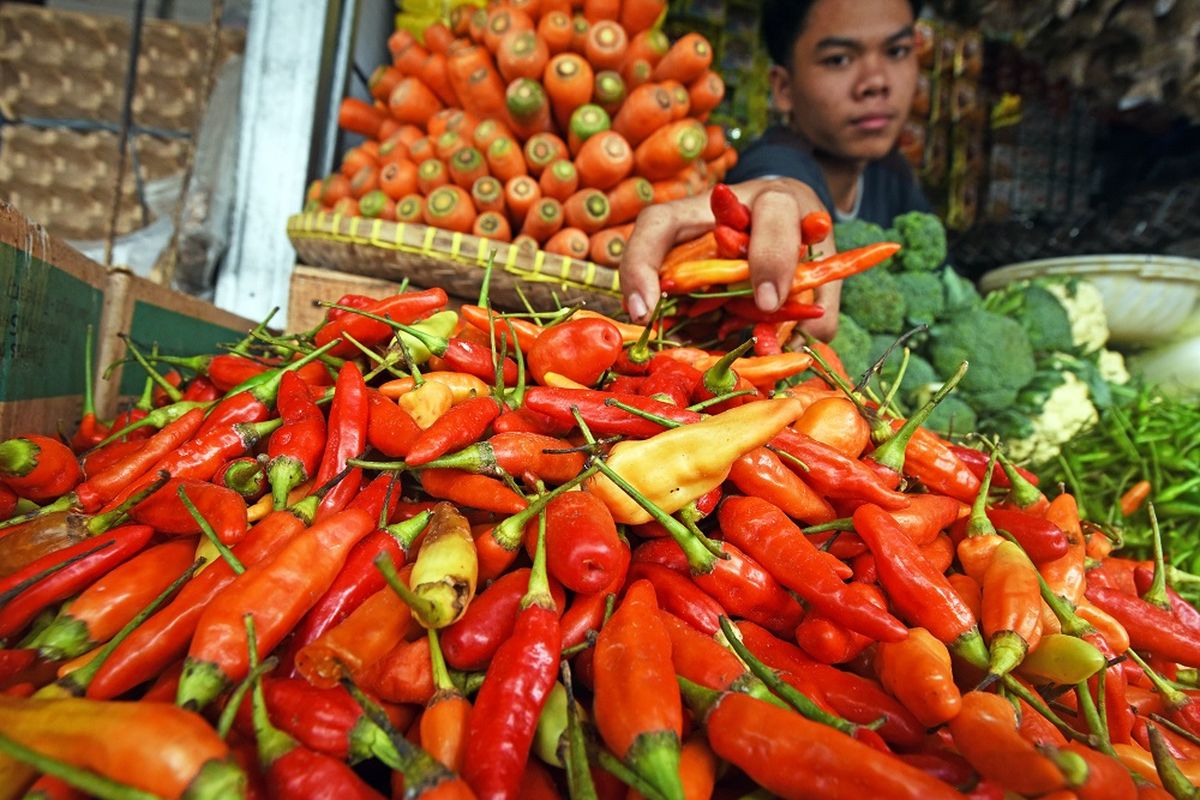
{"x": 838, "y": 60}
{"x": 900, "y": 51}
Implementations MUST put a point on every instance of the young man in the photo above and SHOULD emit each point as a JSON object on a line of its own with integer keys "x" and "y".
{"x": 844, "y": 76}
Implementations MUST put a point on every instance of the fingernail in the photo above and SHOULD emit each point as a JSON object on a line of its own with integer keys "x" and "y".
{"x": 765, "y": 297}
{"x": 637, "y": 307}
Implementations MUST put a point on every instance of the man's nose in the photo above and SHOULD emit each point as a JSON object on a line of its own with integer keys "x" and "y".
{"x": 873, "y": 81}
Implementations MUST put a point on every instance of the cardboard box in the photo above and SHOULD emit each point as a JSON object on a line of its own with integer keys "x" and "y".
{"x": 49, "y": 295}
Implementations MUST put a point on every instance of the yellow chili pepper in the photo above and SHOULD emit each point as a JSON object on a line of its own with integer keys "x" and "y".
{"x": 679, "y": 465}
{"x": 427, "y": 402}
{"x": 462, "y": 385}
{"x": 446, "y": 570}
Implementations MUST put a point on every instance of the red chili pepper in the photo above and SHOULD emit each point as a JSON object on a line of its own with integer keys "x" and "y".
{"x": 579, "y": 349}
{"x": 985, "y": 733}
{"x": 514, "y": 690}
{"x": 827, "y": 641}
{"x": 834, "y": 475}
{"x": 761, "y": 473}
{"x": 602, "y": 418}
{"x": 701, "y": 659}
{"x": 1150, "y": 628}
{"x": 38, "y": 467}
{"x": 295, "y": 449}
{"x": 672, "y": 381}
{"x": 731, "y": 243}
{"x": 526, "y": 420}
{"x": 977, "y": 461}
{"x": 470, "y": 643}
{"x": 680, "y": 596}
{"x": 462, "y": 425}
{"x": 584, "y": 552}
{"x": 221, "y": 508}
{"x": 728, "y": 209}
{"x": 346, "y": 438}
{"x": 520, "y": 454}
{"x": 403, "y": 675}
{"x": 360, "y": 301}
{"x": 586, "y": 612}
{"x": 278, "y": 594}
{"x": 790, "y": 311}
{"x": 815, "y": 226}
{"x": 464, "y": 355}
{"x": 1184, "y": 611}
{"x": 390, "y": 429}
{"x": 406, "y": 307}
{"x": 473, "y": 491}
{"x": 8, "y": 502}
{"x": 125, "y": 541}
{"x": 1041, "y": 539}
{"x": 163, "y": 639}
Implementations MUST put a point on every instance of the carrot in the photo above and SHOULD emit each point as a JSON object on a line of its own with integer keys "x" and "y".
{"x": 410, "y": 208}
{"x": 334, "y": 188}
{"x": 365, "y": 180}
{"x": 640, "y": 15}
{"x": 604, "y": 160}
{"x": 668, "y": 150}
{"x": 460, "y": 19}
{"x": 647, "y": 45}
{"x": 392, "y": 150}
{"x": 431, "y": 174}
{"x": 400, "y": 39}
{"x": 681, "y": 101}
{"x": 587, "y": 210}
{"x": 492, "y": 225}
{"x": 570, "y": 242}
{"x": 383, "y": 80}
{"x": 561, "y": 6}
{"x": 579, "y": 29}
{"x": 559, "y": 180}
{"x": 477, "y": 25}
{"x": 531, "y": 7}
{"x": 606, "y": 247}
{"x": 646, "y": 110}
{"x": 488, "y": 194}
{"x": 313, "y": 192}
{"x": 716, "y": 142}
{"x": 448, "y": 143}
{"x": 606, "y": 44}
{"x": 450, "y": 207}
{"x": 421, "y": 149}
{"x": 501, "y": 20}
{"x": 627, "y": 199}
{"x": 686, "y": 60}
{"x": 543, "y": 220}
{"x": 554, "y": 29}
{"x": 376, "y": 204}
{"x": 435, "y": 72}
{"x": 568, "y": 80}
{"x": 488, "y": 131}
{"x": 398, "y": 179}
{"x": 476, "y": 81}
{"x": 386, "y": 128}
{"x": 347, "y": 207}
{"x": 706, "y": 93}
{"x": 355, "y": 159}
{"x": 467, "y": 166}
{"x": 526, "y": 245}
{"x": 522, "y": 54}
{"x": 609, "y": 90}
{"x": 596, "y": 10}
{"x": 543, "y": 149}
{"x": 670, "y": 189}
{"x": 520, "y": 194}
{"x": 505, "y": 159}
{"x": 437, "y": 37}
{"x": 451, "y": 120}
{"x": 409, "y": 58}
{"x": 413, "y": 101}
{"x": 359, "y": 117}
{"x": 408, "y": 133}
{"x": 528, "y": 108}
{"x": 586, "y": 121}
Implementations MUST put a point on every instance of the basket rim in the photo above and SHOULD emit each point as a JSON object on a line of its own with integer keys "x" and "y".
{"x": 465, "y": 252}
{"x": 1143, "y": 265}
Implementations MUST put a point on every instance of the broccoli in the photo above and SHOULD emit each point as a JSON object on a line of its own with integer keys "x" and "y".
{"x": 873, "y": 298}
{"x": 859, "y": 233}
{"x": 924, "y": 240}
{"x": 852, "y": 344}
{"x": 952, "y": 416}
{"x": 924, "y": 296}
{"x": 1000, "y": 356}
{"x": 919, "y": 372}
{"x": 1038, "y": 311}
{"x": 961, "y": 294}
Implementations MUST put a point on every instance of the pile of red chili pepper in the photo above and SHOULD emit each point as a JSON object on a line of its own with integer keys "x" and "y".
{"x": 430, "y": 553}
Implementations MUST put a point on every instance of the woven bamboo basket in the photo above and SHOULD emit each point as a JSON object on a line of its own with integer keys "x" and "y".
{"x": 430, "y": 257}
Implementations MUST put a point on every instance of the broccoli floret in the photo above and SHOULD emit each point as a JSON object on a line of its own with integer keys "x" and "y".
{"x": 1041, "y": 314}
{"x": 952, "y": 416}
{"x": 924, "y": 296}
{"x": 923, "y": 237}
{"x": 961, "y": 294}
{"x": 1000, "y": 356}
{"x": 918, "y": 374}
{"x": 852, "y": 344}
{"x": 873, "y": 298}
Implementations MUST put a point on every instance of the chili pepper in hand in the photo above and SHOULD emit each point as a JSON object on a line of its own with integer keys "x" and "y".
{"x": 790, "y": 311}
{"x": 919, "y": 593}
{"x": 637, "y": 706}
{"x": 815, "y": 227}
{"x": 985, "y": 733}
{"x": 405, "y": 307}
{"x": 295, "y": 448}
{"x": 278, "y": 593}
{"x": 514, "y": 690}
{"x": 38, "y": 467}
{"x": 731, "y": 243}
{"x": 727, "y": 209}
{"x": 164, "y": 637}
{"x": 763, "y": 531}
{"x": 580, "y": 349}
{"x": 688, "y": 276}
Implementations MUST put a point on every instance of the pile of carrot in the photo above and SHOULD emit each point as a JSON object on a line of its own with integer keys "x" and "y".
{"x": 549, "y": 123}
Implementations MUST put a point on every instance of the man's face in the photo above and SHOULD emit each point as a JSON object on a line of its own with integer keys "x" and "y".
{"x": 852, "y": 77}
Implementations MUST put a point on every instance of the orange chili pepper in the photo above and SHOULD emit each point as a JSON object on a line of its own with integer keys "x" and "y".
{"x": 1012, "y": 610}
{"x": 986, "y": 735}
{"x": 918, "y": 672}
{"x": 1133, "y": 498}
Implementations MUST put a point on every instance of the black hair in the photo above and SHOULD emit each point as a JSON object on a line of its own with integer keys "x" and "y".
{"x": 783, "y": 21}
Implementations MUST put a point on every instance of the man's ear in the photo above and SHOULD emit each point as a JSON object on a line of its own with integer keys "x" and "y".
{"x": 781, "y": 89}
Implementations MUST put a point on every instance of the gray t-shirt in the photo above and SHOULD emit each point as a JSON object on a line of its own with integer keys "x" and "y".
{"x": 887, "y": 187}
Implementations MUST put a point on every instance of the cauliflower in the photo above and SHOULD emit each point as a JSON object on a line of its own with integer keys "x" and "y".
{"x": 1085, "y": 308}
{"x": 1067, "y": 412}
{"x": 1112, "y": 367}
